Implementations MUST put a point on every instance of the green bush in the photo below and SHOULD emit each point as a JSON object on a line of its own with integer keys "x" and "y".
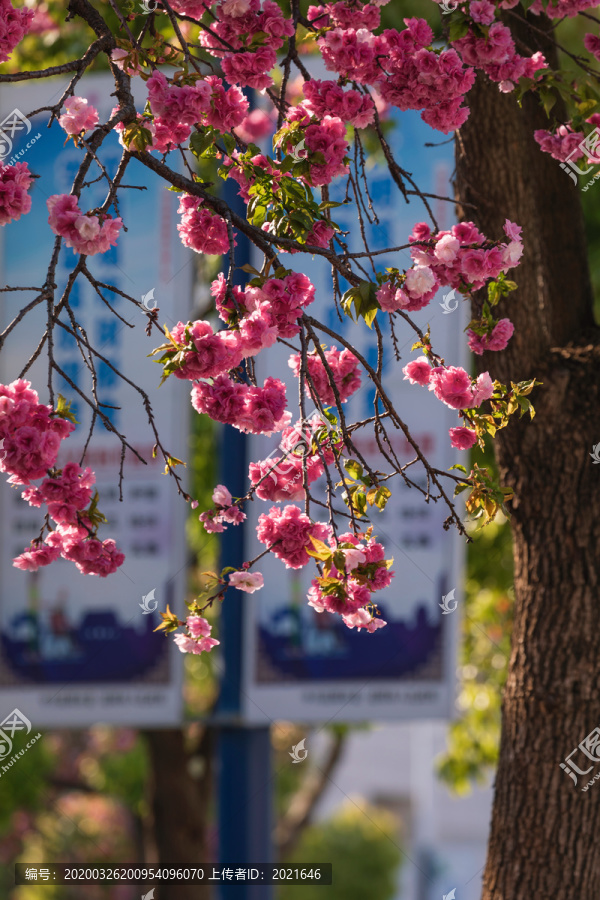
{"x": 362, "y": 843}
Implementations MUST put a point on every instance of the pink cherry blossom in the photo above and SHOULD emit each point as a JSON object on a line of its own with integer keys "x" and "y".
{"x": 251, "y": 409}
{"x": 452, "y": 385}
{"x": 353, "y": 558}
{"x": 221, "y": 496}
{"x": 85, "y": 234}
{"x": 201, "y": 229}
{"x": 344, "y": 368}
{"x": 246, "y": 581}
{"x": 446, "y": 249}
{"x": 14, "y": 25}
{"x": 39, "y": 555}
{"x": 482, "y": 389}
{"x": 198, "y": 626}
{"x": 462, "y": 438}
{"x": 15, "y": 181}
{"x": 286, "y": 532}
{"x": 79, "y": 116}
{"x": 31, "y": 436}
{"x": 328, "y": 98}
{"x": 418, "y": 371}
{"x": 497, "y": 340}
{"x": 362, "y": 619}
{"x": 591, "y": 42}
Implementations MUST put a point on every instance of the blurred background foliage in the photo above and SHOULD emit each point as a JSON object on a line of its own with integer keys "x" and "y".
{"x": 83, "y": 796}
{"x": 361, "y": 841}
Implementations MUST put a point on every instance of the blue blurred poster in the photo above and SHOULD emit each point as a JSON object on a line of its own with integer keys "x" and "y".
{"x": 307, "y": 666}
{"x": 78, "y": 649}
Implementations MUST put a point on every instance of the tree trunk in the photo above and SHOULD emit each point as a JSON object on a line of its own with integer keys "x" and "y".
{"x": 543, "y": 838}
{"x": 180, "y": 805}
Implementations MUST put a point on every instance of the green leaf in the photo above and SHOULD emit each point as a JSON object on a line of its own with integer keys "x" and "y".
{"x": 229, "y": 142}
{"x": 287, "y": 164}
{"x": 63, "y": 409}
{"x": 548, "y": 98}
{"x": 370, "y": 315}
{"x": 382, "y": 496}
{"x": 172, "y": 461}
{"x": 360, "y": 502}
{"x": 321, "y": 551}
{"x": 339, "y": 561}
{"x": 353, "y": 468}
{"x": 201, "y": 142}
{"x": 250, "y": 270}
{"x": 458, "y": 29}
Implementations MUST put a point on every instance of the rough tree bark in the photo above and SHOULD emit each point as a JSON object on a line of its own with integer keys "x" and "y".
{"x": 543, "y": 840}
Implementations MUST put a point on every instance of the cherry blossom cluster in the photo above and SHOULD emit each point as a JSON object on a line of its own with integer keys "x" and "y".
{"x": 400, "y": 65}
{"x": 15, "y": 182}
{"x": 31, "y": 434}
{"x": 14, "y": 25}
{"x": 287, "y": 532}
{"x": 280, "y": 477}
{"x": 493, "y": 50}
{"x": 176, "y": 108}
{"x": 324, "y": 144}
{"x": 346, "y": 15}
{"x": 258, "y": 315}
{"x": 80, "y": 116}
{"x": 249, "y": 408}
{"x": 354, "y": 569}
{"x": 455, "y": 388}
{"x": 496, "y": 337}
{"x": 201, "y": 229}
{"x": 561, "y": 8}
{"x": 461, "y": 258}
{"x": 198, "y": 639}
{"x": 343, "y": 370}
{"x": 256, "y": 125}
{"x": 564, "y": 143}
{"x": 87, "y": 234}
{"x": 255, "y": 30}
{"x": 450, "y": 384}
{"x": 402, "y": 68}
{"x": 591, "y": 42}
{"x": 327, "y": 98}
{"x": 278, "y": 301}
{"x": 225, "y": 511}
